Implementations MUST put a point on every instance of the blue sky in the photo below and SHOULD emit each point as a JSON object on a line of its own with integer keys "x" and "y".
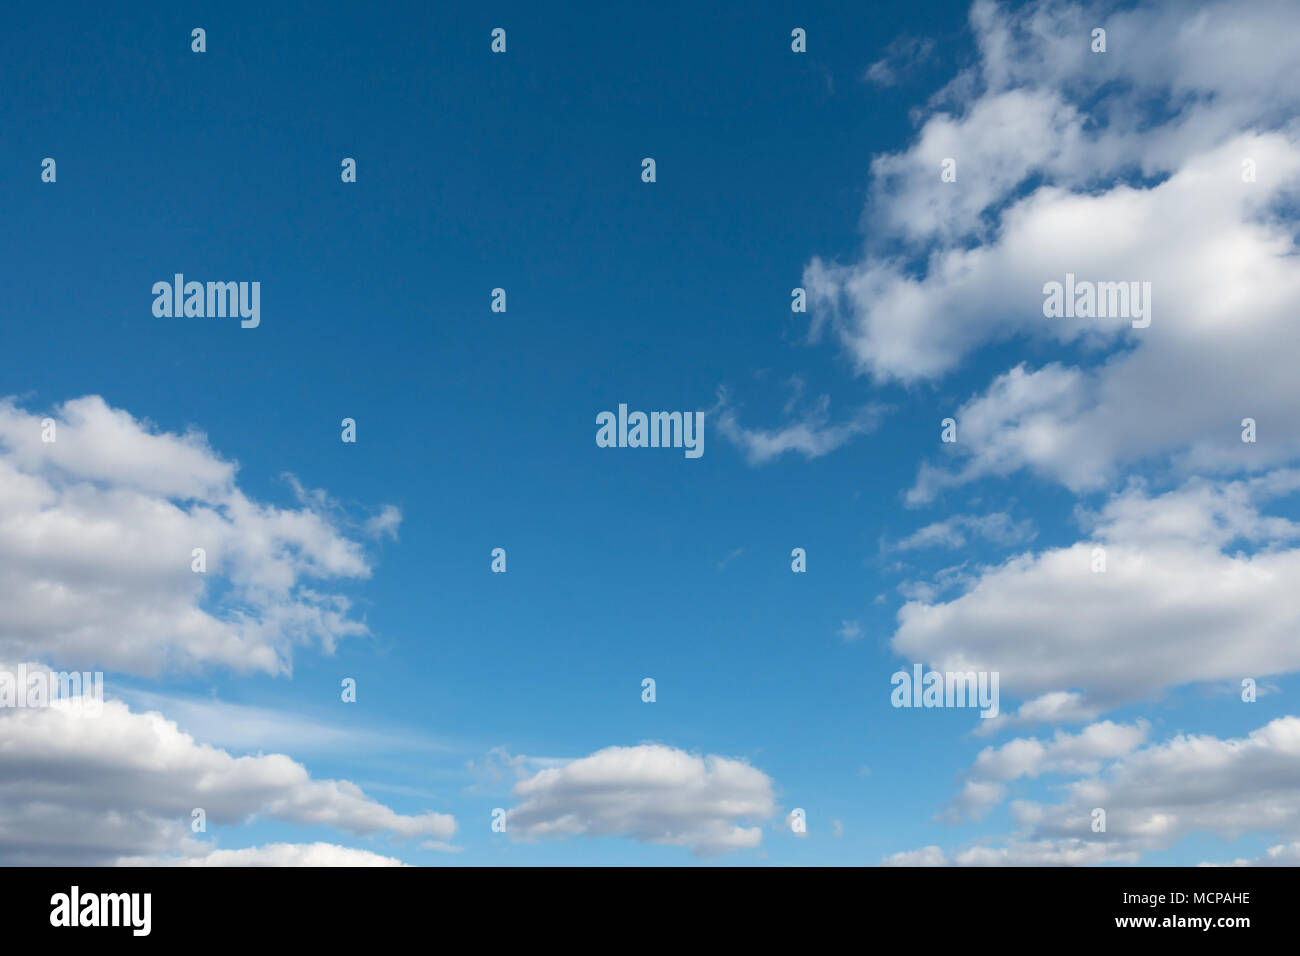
{"x": 522, "y": 171}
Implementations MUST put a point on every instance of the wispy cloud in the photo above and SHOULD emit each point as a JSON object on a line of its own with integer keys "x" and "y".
{"x": 902, "y": 58}
{"x": 810, "y": 433}
{"x": 959, "y": 530}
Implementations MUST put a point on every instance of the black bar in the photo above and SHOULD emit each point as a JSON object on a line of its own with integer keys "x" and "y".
{"x": 666, "y": 907}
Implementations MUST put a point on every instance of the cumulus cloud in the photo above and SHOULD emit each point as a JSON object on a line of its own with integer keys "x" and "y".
{"x": 1193, "y": 782}
{"x": 1143, "y": 183}
{"x": 1065, "y": 753}
{"x": 651, "y": 793}
{"x": 1057, "y": 707}
{"x": 1198, "y": 586}
{"x": 91, "y": 790}
{"x": 1154, "y": 796}
{"x": 97, "y": 533}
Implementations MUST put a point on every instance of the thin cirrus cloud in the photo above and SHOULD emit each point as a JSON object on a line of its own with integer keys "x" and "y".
{"x": 810, "y": 433}
{"x": 958, "y": 530}
{"x": 903, "y": 57}
{"x": 244, "y": 728}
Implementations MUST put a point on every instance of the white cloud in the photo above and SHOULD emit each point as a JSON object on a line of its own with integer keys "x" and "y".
{"x": 1018, "y": 853}
{"x": 94, "y": 442}
{"x": 901, "y": 58}
{"x": 274, "y": 854}
{"x": 811, "y": 433}
{"x": 1191, "y": 783}
{"x": 499, "y": 766}
{"x": 1153, "y": 796}
{"x": 1285, "y": 854}
{"x": 926, "y": 856}
{"x": 1065, "y": 753}
{"x": 651, "y": 793}
{"x": 441, "y": 846}
{"x": 1057, "y": 707}
{"x": 97, "y": 531}
{"x": 1053, "y": 178}
{"x": 1179, "y": 602}
{"x": 384, "y": 524}
{"x": 958, "y": 530}
{"x": 89, "y": 790}
{"x": 250, "y": 728}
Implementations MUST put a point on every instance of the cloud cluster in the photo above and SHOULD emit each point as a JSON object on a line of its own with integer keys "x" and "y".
{"x": 1153, "y": 796}
{"x": 97, "y": 533}
{"x": 1142, "y": 183}
{"x": 1084, "y": 752}
{"x": 92, "y": 790}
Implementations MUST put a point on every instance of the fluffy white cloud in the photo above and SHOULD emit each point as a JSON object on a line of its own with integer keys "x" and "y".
{"x": 82, "y": 789}
{"x": 97, "y": 529}
{"x": 275, "y": 854}
{"x": 1154, "y": 796}
{"x": 1065, "y": 753}
{"x": 1193, "y": 783}
{"x": 652, "y": 793}
{"x": 1053, "y": 178}
{"x": 1057, "y": 707}
{"x": 1181, "y": 600}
